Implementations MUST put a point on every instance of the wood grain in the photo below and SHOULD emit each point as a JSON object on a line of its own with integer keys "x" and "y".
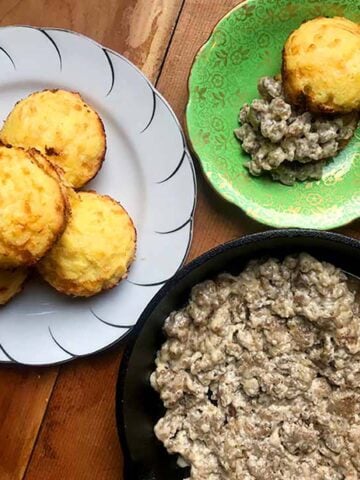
{"x": 216, "y": 221}
{"x": 140, "y": 29}
{"x": 78, "y": 439}
{"x": 142, "y": 34}
{"x": 24, "y": 395}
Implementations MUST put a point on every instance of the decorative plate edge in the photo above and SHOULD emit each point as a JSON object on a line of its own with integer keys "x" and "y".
{"x": 186, "y": 153}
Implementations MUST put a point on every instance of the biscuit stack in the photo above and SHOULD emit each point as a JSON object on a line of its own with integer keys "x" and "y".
{"x": 53, "y": 143}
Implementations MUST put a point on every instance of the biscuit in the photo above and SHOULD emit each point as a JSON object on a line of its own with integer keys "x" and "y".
{"x": 33, "y": 207}
{"x": 95, "y": 250}
{"x": 11, "y": 282}
{"x": 321, "y": 66}
{"x": 62, "y": 127}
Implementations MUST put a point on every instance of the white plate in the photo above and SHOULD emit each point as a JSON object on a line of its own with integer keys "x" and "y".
{"x": 147, "y": 168}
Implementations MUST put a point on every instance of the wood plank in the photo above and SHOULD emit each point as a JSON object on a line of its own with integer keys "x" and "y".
{"x": 24, "y": 395}
{"x": 216, "y": 221}
{"x": 141, "y": 30}
{"x": 78, "y": 439}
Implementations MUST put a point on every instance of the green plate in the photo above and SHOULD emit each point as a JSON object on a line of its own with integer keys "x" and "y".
{"x": 245, "y": 45}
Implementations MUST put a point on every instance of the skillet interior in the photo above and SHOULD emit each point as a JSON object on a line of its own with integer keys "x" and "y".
{"x": 138, "y": 407}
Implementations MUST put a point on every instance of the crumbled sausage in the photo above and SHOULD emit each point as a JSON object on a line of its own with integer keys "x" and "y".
{"x": 260, "y": 375}
{"x": 289, "y": 144}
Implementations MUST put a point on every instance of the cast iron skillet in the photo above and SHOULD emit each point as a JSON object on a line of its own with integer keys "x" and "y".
{"x": 138, "y": 407}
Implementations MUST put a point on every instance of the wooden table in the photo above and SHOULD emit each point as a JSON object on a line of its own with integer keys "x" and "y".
{"x": 59, "y": 422}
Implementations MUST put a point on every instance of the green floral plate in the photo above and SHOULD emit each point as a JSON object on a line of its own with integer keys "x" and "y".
{"x": 244, "y": 46}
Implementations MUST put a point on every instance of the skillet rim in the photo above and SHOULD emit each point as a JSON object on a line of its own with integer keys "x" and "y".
{"x": 253, "y": 238}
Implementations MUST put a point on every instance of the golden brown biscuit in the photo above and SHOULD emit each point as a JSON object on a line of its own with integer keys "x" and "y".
{"x": 33, "y": 207}
{"x": 95, "y": 250}
{"x": 321, "y": 66}
{"x": 62, "y": 127}
{"x": 11, "y": 282}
